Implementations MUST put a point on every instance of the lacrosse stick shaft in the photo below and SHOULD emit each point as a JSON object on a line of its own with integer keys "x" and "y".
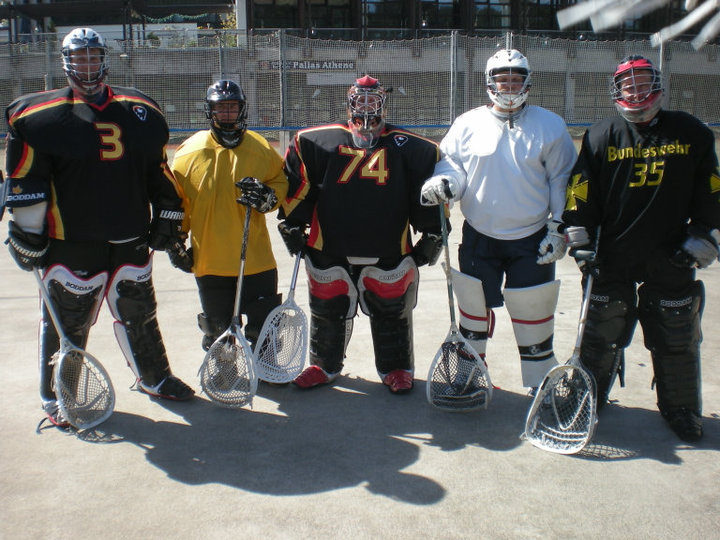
{"x": 49, "y": 305}
{"x": 243, "y": 252}
{"x": 293, "y": 279}
{"x": 448, "y": 276}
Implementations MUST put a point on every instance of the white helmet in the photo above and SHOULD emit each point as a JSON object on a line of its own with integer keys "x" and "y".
{"x": 507, "y": 61}
{"x": 79, "y": 75}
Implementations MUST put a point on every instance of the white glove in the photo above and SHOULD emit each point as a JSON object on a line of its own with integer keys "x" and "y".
{"x": 576, "y": 236}
{"x": 553, "y": 246}
{"x": 438, "y": 190}
{"x": 702, "y": 248}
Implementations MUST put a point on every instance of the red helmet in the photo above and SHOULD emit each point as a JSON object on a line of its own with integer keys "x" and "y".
{"x": 366, "y": 111}
{"x": 637, "y": 89}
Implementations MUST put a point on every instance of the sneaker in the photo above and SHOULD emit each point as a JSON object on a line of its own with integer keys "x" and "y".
{"x": 313, "y": 376}
{"x": 169, "y": 388}
{"x": 686, "y": 424}
{"x": 399, "y": 381}
{"x": 54, "y": 416}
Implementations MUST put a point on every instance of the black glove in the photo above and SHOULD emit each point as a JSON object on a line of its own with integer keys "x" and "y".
{"x": 294, "y": 237}
{"x": 256, "y": 195}
{"x": 180, "y": 257}
{"x": 586, "y": 260}
{"x": 166, "y": 230}
{"x": 28, "y": 249}
{"x": 427, "y": 249}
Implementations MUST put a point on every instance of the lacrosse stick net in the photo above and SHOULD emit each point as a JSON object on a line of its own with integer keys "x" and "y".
{"x": 280, "y": 349}
{"x": 458, "y": 379}
{"x": 562, "y": 417}
{"x": 227, "y": 374}
{"x": 84, "y": 392}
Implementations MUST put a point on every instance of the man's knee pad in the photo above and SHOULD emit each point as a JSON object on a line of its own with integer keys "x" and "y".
{"x": 333, "y": 304}
{"x": 477, "y": 322}
{"x": 671, "y": 326}
{"x": 532, "y": 311}
{"x": 76, "y": 302}
{"x": 610, "y": 325}
{"x": 257, "y": 312}
{"x": 131, "y": 298}
{"x": 388, "y": 297}
{"x": 212, "y": 328}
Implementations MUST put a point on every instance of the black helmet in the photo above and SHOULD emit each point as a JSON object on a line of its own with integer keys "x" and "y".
{"x": 229, "y": 134}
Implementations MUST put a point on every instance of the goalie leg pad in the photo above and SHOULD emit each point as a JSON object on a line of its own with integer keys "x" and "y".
{"x": 388, "y": 297}
{"x": 333, "y": 304}
{"x": 131, "y": 298}
{"x": 257, "y": 312}
{"x": 672, "y": 331}
{"x": 477, "y": 321}
{"x": 612, "y": 316}
{"x": 212, "y": 328}
{"x": 77, "y": 302}
{"x": 532, "y": 312}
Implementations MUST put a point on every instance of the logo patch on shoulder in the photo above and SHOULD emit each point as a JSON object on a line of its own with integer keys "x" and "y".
{"x": 140, "y": 112}
{"x": 400, "y": 139}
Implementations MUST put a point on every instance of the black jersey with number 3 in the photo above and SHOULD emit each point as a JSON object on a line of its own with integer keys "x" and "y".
{"x": 99, "y": 166}
{"x": 643, "y": 184}
{"x": 360, "y": 202}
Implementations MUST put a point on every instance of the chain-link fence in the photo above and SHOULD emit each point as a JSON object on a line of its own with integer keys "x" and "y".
{"x": 293, "y": 82}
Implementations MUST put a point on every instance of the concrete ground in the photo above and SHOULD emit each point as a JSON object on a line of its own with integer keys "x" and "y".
{"x": 349, "y": 460}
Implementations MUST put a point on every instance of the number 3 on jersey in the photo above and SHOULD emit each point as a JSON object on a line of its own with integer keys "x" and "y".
{"x": 112, "y": 146}
{"x": 374, "y": 166}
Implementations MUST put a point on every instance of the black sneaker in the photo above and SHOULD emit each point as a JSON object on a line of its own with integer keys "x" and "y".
{"x": 686, "y": 424}
{"x": 169, "y": 388}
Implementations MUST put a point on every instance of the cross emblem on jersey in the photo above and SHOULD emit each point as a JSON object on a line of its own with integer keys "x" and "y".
{"x": 576, "y": 190}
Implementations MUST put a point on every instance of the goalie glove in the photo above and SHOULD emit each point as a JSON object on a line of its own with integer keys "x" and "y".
{"x": 180, "y": 257}
{"x": 553, "y": 246}
{"x": 427, "y": 249}
{"x": 294, "y": 237}
{"x": 699, "y": 249}
{"x": 166, "y": 229}
{"x": 256, "y": 195}
{"x": 437, "y": 190}
{"x": 28, "y": 249}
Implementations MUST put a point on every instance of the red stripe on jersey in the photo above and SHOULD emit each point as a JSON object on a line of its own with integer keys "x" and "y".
{"x": 390, "y": 290}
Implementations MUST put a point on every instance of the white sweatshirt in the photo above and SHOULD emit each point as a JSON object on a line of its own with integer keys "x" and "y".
{"x": 510, "y": 181}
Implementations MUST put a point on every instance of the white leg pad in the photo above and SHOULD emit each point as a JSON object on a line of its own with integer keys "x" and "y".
{"x": 474, "y": 314}
{"x": 532, "y": 311}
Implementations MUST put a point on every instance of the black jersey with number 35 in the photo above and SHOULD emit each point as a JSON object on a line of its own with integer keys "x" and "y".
{"x": 360, "y": 202}
{"x": 642, "y": 184}
{"x": 99, "y": 166}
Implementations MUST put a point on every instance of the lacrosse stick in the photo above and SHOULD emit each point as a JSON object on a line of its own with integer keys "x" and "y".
{"x": 458, "y": 379}
{"x": 562, "y": 416}
{"x": 85, "y": 395}
{"x": 227, "y": 374}
{"x": 280, "y": 348}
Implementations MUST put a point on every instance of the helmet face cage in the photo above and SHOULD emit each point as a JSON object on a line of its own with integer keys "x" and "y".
{"x": 82, "y": 41}
{"x": 637, "y": 88}
{"x": 228, "y": 132}
{"x": 366, "y": 111}
{"x": 507, "y": 62}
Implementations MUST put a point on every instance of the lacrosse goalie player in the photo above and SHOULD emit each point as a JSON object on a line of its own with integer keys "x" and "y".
{"x": 86, "y": 165}
{"x": 226, "y": 171}
{"x": 356, "y": 185}
{"x": 508, "y": 164}
{"x": 649, "y": 178}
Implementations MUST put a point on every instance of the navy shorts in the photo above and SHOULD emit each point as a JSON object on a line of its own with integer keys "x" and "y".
{"x": 492, "y": 261}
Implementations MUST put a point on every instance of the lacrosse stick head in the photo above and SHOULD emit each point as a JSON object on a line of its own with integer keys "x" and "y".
{"x": 83, "y": 389}
{"x": 458, "y": 379}
{"x": 227, "y": 375}
{"x": 280, "y": 348}
{"x": 562, "y": 417}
